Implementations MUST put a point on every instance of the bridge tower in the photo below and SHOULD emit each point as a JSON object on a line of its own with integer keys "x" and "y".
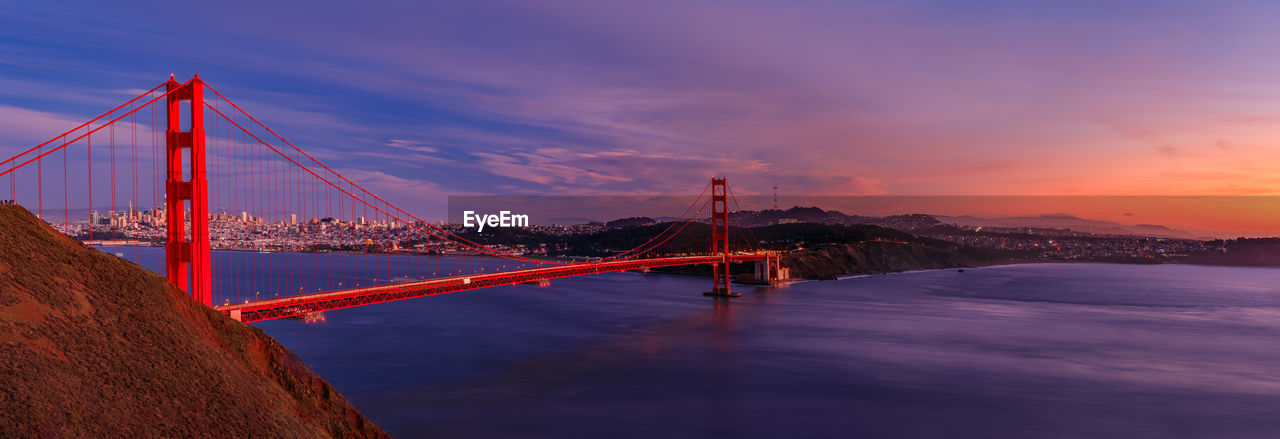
{"x": 186, "y": 191}
{"x": 720, "y": 239}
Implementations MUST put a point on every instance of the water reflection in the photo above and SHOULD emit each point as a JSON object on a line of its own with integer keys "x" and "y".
{"x": 1078, "y": 350}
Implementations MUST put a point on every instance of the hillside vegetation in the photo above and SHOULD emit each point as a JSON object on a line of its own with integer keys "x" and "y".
{"x": 94, "y": 346}
{"x": 816, "y": 251}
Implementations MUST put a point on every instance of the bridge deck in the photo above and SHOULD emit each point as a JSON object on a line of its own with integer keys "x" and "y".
{"x": 309, "y": 303}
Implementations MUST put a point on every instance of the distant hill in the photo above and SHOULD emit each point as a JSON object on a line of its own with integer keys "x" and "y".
{"x": 819, "y": 251}
{"x": 816, "y": 215}
{"x": 921, "y": 222}
{"x": 94, "y": 346}
{"x": 629, "y": 222}
{"x": 1071, "y": 222}
{"x": 1256, "y": 252}
{"x": 695, "y": 237}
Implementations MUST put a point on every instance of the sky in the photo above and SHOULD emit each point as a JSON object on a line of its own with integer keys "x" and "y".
{"x": 420, "y": 100}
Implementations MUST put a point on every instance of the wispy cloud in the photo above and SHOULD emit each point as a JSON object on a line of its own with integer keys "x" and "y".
{"x": 21, "y": 128}
{"x": 823, "y": 98}
{"x": 420, "y": 198}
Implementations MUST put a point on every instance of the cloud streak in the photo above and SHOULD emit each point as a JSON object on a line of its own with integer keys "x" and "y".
{"x": 831, "y": 98}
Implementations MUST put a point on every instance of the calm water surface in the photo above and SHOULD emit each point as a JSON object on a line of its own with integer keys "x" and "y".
{"x": 1057, "y": 350}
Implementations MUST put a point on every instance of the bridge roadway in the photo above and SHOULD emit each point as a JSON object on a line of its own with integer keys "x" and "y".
{"x": 301, "y": 305}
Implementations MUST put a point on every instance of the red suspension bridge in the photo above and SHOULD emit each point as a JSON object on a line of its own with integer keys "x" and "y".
{"x": 218, "y": 178}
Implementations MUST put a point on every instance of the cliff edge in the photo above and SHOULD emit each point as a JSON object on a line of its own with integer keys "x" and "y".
{"x": 92, "y": 345}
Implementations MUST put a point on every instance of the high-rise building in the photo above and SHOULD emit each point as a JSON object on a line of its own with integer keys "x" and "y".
{"x": 93, "y": 217}
{"x": 244, "y": 216}
{"x": 293, "y": 219}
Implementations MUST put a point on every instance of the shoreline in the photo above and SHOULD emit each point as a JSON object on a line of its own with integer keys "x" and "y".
{"x": 1006, "y": 264}
{"x": 1003, "y": 263}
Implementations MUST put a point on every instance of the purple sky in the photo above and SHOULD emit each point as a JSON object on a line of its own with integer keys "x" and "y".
{"x": 419, "y": 101}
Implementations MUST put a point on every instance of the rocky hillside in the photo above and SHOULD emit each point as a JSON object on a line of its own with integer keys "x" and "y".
{"x": 94, "y": 346}
{"x": 829, "y": 261}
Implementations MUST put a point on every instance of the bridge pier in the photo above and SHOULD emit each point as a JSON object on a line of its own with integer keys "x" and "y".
{"x": 770, "y": 270}
{"x": 721, "y": 293}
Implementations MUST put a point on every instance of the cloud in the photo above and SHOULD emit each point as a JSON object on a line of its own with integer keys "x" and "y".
{"x": 411, "y": 146}
{"x": 420, "y": 198}
{"x": 21, "y": 128}
{"x": 828, "y": 97}
{"x": 542, "y": 168}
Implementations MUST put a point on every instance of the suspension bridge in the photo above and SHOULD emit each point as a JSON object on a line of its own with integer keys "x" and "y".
{"x": 218, "y": 178}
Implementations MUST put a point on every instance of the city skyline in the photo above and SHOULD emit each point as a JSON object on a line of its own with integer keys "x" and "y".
{"x": 1208, "y": 217}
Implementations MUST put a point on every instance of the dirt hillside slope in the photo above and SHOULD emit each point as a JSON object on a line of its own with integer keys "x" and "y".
{"x": 94, "y": 346}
